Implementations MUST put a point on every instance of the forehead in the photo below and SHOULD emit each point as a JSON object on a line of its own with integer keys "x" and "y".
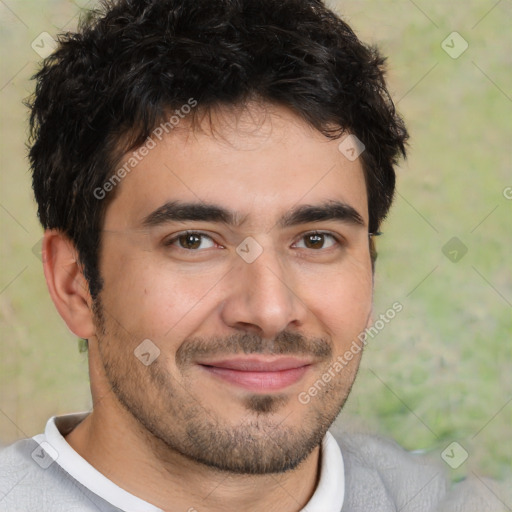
{"x": 258, "y": 162}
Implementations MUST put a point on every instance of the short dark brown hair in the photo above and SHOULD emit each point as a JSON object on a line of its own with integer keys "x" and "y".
{"x": 110, "y": 83}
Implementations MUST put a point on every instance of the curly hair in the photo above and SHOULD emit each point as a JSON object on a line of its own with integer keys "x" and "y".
{"x": 130, "y": 62}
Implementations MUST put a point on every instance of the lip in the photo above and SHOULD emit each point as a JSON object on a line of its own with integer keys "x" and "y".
{"x": 259, "y": 374}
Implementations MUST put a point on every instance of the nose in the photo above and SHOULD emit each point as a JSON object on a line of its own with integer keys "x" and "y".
{"x": 264, "y": 297}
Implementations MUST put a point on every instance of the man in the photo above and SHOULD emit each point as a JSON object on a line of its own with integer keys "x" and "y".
{"x": 211, "y": 175}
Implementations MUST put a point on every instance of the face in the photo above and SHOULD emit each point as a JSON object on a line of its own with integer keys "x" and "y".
{"x": 236, "y": 266}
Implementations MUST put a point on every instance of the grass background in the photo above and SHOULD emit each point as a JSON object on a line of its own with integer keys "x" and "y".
{"x": 441, "y": 371}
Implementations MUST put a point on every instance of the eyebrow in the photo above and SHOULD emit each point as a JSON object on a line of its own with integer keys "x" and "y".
{"x": 179, "y": 211}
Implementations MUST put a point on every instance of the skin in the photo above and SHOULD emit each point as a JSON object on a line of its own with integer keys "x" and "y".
{"x": 189, "y": 438}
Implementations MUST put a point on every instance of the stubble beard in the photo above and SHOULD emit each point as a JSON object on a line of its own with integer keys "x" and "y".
{"x": 176, "y": 421}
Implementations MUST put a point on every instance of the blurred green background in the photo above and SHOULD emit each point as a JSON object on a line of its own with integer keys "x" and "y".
{"x": 441, "y": 371}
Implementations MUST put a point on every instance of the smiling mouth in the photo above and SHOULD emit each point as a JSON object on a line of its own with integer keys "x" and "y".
{"x": 259, "y": 374}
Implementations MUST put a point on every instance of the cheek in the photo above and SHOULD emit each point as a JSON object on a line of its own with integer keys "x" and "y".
{"x": 342, "y": 299}
{"x": 153, "y": 299}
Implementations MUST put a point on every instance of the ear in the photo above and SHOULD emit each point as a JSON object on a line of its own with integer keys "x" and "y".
{"x": 67, "y": 285}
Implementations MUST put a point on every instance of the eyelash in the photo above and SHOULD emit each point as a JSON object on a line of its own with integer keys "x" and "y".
{"x": 168, "y": 243}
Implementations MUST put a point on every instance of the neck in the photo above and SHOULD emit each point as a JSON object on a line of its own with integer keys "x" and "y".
{"x": 142, "y": 465}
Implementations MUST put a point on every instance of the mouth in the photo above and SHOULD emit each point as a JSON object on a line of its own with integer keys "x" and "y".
{"x": 259, "y": 374}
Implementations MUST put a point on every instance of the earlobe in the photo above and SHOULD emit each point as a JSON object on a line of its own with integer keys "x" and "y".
{"x": 66, "y": 283}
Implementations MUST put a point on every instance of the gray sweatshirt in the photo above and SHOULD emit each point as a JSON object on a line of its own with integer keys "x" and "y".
{"x": 379, "y": 476}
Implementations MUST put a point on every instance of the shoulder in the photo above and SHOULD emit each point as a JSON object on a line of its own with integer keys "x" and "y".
{"x": 380, "y": 475}
{"x": 30, "y": 481}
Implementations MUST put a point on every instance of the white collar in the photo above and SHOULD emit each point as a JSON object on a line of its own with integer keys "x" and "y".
{"x": 330, "y": 491}
{"x": 328, "y": 496}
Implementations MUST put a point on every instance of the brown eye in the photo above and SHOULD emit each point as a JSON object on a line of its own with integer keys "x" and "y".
{"x": 190, "y": 241}
{"x": 318, "y": 240}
